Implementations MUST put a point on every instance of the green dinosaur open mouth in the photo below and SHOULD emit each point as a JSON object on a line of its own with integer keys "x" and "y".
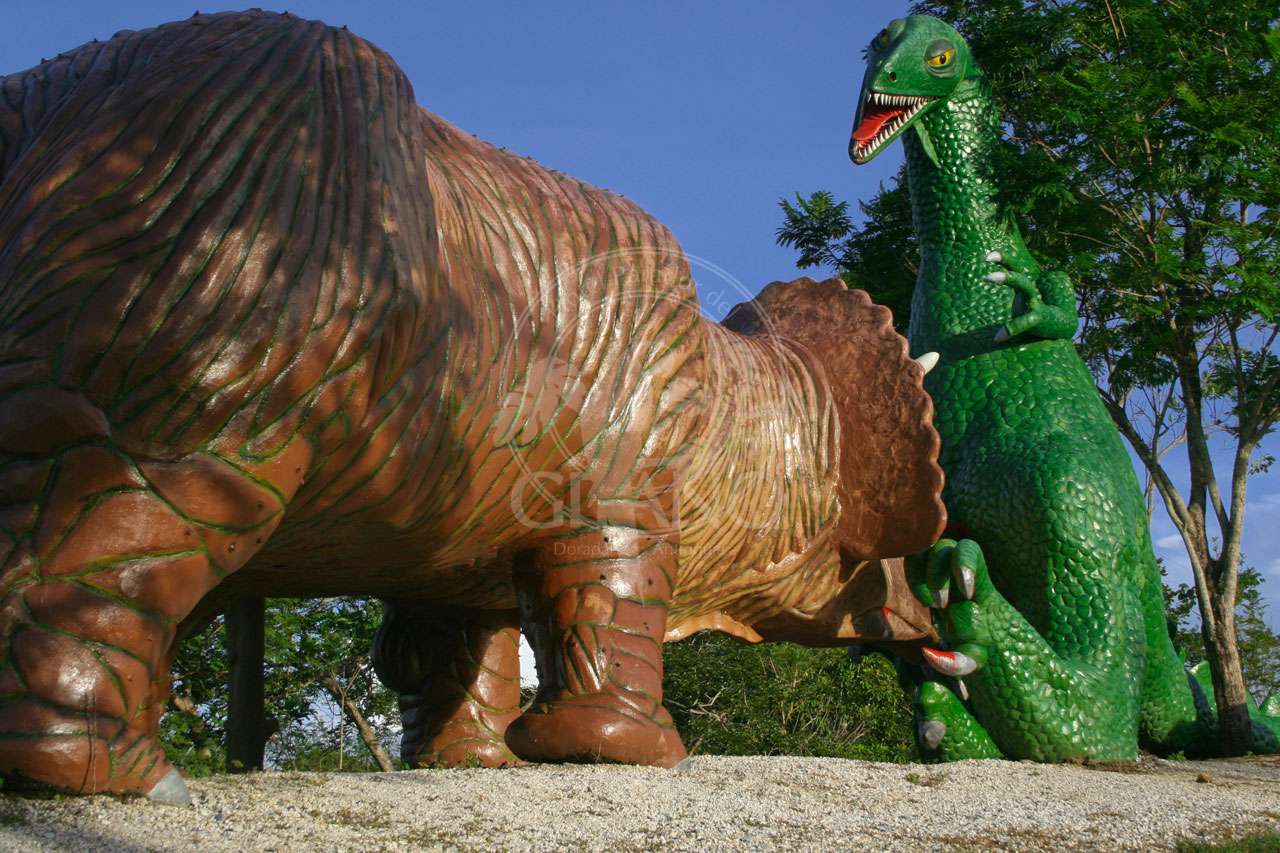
{"x": 882, "y": 117}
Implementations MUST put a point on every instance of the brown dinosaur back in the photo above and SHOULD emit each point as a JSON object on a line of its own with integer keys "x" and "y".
{"x": 200, "y": 233}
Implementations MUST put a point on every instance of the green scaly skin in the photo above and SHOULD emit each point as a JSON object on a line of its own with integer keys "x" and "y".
{"x": 1066, "y": 617}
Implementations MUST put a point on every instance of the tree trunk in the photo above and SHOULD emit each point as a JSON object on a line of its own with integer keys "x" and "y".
{"x": 246, "y": 724}
{"x": 352, "y": 711}
{"x": 1235, "y": 731}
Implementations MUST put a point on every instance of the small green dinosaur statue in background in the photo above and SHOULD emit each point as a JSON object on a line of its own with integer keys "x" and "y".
{"x": 1052, "y": 601}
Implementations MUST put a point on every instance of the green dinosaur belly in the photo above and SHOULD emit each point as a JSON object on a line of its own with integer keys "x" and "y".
{"x": 1037, "y": 474}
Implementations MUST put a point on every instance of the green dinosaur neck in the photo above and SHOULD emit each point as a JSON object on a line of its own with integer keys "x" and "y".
{"x": 958, "y": 221}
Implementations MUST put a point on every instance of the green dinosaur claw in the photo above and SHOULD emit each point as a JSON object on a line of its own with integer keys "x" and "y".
{"x": 947, "y": 731}
{"x": 939, "y": 576}
{"x": 1023, "y": 323}
{"x": 931, "y": 733}
{"x": 924, "y": 573}
{"x": 1017, "y": 281}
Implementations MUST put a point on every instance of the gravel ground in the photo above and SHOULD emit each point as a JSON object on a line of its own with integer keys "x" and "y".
{"x": 718, "y": 804}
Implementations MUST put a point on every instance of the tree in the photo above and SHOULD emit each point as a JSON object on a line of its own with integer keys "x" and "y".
{"x": 1259, "y": 645}
{"x": 192, "y": 728}
{"x": 729, "y": 698}
{"x": 880, "y": 257}
{"x": 318, "y": 649}
{"x": 1142, "y": 159}
{"x": 320, "y": 691}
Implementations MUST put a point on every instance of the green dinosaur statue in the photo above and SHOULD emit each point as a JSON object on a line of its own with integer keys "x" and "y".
{"x": 1052, "y": 602}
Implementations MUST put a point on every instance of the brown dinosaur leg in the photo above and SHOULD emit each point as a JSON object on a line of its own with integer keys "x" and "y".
{"x": 101, "y": 559}
{"x": 458, "y": 676}
{"x": 595, "y": 607}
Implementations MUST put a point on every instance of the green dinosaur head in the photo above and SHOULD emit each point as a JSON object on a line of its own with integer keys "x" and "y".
{"x": 913, "y": 65}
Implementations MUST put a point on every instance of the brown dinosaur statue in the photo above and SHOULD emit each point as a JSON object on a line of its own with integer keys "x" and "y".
{"x": 267, "y": 327}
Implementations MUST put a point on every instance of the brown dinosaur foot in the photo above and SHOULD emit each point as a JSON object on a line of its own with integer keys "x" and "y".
{"x": 458, "y": 676}
{"x": 43, "y": 747}
{"x": 595, "y": 607}
{"x": 596, "y": 727}
{"x": 460, "y": 742}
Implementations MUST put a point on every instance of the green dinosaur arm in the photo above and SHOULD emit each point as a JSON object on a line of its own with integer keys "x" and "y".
{"x": 1048, "y": 307}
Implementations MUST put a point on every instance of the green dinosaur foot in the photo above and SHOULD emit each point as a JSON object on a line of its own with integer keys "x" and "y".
{"x": 945, "y": 729}
{"x": 947, "y": 576}
{"x": 1049, "y": 299}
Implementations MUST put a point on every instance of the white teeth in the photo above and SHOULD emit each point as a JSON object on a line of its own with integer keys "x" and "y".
{"x": 895, "y": 100}
{"x": 928, "y": 361}
{"x": 913, "y": 103}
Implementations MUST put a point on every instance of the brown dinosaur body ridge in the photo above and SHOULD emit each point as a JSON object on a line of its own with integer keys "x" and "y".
{"x": 267, "y": 327}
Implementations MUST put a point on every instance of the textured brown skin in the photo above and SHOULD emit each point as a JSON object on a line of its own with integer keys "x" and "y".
{"x": 266, "y": 327}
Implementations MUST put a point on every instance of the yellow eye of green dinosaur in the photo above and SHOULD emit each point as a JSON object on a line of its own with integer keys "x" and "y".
{"x": 882, "y": 39}
{"x": 943, "y": 59}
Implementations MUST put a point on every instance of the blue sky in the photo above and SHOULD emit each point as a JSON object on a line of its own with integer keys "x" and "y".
{"x": 704, "y": 113}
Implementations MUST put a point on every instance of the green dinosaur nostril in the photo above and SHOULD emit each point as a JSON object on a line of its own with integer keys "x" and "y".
{"x": 893, "y": 76}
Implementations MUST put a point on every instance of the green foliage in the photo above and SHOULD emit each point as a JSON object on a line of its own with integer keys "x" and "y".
{"x": 193, "y": 727}
{"x": 880, "y": 257}
{"x": 728, "y": 698}
{"x": 1264, "y": 842}
{"x": 306, "y": 640}
{"x": 323, "y": 754}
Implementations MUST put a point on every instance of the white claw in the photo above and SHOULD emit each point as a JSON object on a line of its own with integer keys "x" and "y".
{"x": 942, "y": 597}
{"x": 966, "y": 581}
{"x": 931, "y": 733}
{"x": 997, "y": 277}
{"x": 171, "y": 790}
{"x": 962, "y": 690}
{"x": 954, "y": 664}
{"x": 1002, "y": 335}
{"x": 994, "y": 258}
{"x": 928, "y": 361}
{"x": 965, "y": 665}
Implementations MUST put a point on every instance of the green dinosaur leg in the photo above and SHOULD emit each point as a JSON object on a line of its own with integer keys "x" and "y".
{"x": 1033, "y": 701}
{"x": 946, "y": 729}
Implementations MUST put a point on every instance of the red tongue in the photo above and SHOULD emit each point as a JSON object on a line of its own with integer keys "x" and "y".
{"x": 873, "y": 121}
